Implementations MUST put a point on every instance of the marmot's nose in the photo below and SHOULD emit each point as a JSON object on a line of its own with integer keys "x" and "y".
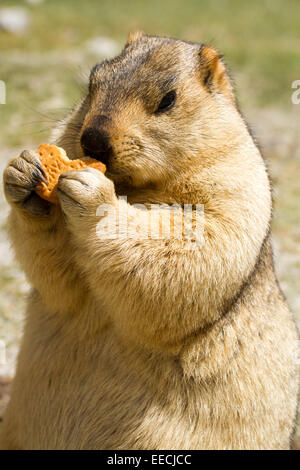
{"x": 95, "y": 144}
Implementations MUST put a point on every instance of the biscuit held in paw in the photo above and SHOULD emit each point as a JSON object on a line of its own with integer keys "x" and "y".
{"x": 54, "y": 162}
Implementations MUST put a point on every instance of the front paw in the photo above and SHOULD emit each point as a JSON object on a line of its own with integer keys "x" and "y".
{"x": 22, "y": 175}
{"x": 82, "y": 192}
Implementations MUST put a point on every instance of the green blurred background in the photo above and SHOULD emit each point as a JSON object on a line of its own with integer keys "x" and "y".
{"x": 45, "y": 66}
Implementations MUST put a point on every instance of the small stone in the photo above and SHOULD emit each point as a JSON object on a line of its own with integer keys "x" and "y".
{"x": 14, "y": 20}
{"x": 102, "y": 46}
{"x": 34, "y": 2}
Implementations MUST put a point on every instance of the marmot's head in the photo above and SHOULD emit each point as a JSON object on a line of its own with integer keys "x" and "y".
{"x": 158, "y": 108}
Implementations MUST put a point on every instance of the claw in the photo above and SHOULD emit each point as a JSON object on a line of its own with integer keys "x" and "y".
{"x": 33, "y": 160}
{"x": 38, "y": 177}
{"x": 38, "y": 164}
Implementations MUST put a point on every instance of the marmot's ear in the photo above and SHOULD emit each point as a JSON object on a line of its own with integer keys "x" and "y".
{"x": 133, "y": 37}
{"x": 213, "y": 73}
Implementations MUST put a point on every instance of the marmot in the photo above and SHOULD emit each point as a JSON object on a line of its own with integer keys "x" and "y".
{"x": 141, "y": 343}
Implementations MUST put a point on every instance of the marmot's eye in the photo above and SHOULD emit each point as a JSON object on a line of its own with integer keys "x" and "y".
{"x": 167, "y": 102}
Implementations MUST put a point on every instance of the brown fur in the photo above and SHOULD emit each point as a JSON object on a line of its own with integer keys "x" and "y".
{"x": 142, "y": 344}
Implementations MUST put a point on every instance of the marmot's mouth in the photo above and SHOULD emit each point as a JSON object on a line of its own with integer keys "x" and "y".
{"x": 101, "y": 156}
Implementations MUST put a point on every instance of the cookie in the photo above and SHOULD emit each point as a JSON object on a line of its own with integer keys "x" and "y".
{"x": 54, "y": 161}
